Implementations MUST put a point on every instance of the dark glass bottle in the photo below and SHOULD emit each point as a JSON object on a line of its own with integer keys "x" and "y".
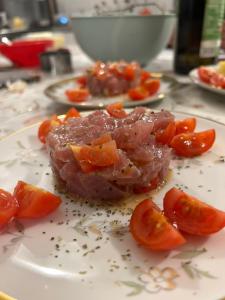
{"x": 198, "y": 33}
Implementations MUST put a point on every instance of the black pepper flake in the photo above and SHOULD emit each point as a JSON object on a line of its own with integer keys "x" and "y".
{"x": 52, "y": 238}
{"x": 41, "y": 165}
{"x": 74, "y": 240}
{"x": 56, "y": 256}
{"x": 67, "y": 251}
{"x": 43, "y": 232}
{"x": 47, "y": 173}
{"x": 84, "y": 246}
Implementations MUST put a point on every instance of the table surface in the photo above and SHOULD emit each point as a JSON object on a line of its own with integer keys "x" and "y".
{"x": 22, "y": 109}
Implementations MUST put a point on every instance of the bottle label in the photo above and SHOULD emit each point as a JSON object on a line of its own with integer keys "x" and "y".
{"x": 212, "y": 24}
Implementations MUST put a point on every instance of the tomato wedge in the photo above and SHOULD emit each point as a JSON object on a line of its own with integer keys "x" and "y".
{"x": 193, "y": 143}
{"x": 205, "y": 74}
{"x": 46, "y": 126}
{"x": 34, "y": 202}
{"x": 116, "y": 110}
{"x": 165, "y": 136}
{"x": 106, "y": 137}
{"x": 145, "y": 75}
{"x": 72, "y": 113}
{"x": 151, "y": 229}
{"x": 192, "y": 215}
{"x": 100, "y": 155}
{"x": 77, "y": 95}
{"x": 8, "y": 207}
{"x": 129, "y": 72}
{"x": 218, "y": 80}
{"x": 138, "y": 93}
{"x": 82, "y": 81}
{"x": 152, "y": 86}
{"x": 185, "y": 125}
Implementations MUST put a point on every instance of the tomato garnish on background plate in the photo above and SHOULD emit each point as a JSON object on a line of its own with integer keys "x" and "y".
{"x": 151, "y": 229}
{"x": 138, "y": 93}
{"x": 129, "y": 72}
{"x": 193, "y": 143}
{"x": 77, "y": 95}
{"x": 8, "y": 207}
{"x": 82, "y": 81}
{"x": 192, "y": 215}
{"x": 34, "y": 202}
{"x": 205, "y": 74}
{"x": 165, "y": 136}
{"x": 185, "y": 125}
{"x": 72, "y": 113}
{"x": 116, "y": 110}
{"x": 145, "y": 75}
{"x": 46, "y": 126}
{"x": 152, "y": 86}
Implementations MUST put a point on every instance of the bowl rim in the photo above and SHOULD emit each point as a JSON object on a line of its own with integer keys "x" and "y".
{"x": 167, "y": 15}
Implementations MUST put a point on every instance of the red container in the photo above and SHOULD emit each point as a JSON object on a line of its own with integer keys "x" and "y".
{"x": 25, "y": 53}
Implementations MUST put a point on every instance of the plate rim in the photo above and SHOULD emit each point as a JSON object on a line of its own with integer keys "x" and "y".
{"x": 160, "y": 96}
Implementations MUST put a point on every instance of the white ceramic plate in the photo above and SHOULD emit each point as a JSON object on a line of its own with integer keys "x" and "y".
{"x": 57, "y": 90}
{"x": 83, "y": 252}
{"x": 194, "y": 77}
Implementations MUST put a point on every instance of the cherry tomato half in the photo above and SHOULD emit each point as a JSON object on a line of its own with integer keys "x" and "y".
{"x": 152, "y": 86}
{"x": 77, "y": 95}
{"x": 205, "y": 74}
{"x": 192, "y": 215}
{"x": 116, "y": 110}
{"x": 151, "y": 229}
{"x": 185, "y": 125}
{"x": 34, "y": 202}
{"x": 193, "y": 143}
{"x": 46, "y": 126}
{"x": 8, "y": 207}
{"x": 165, "y": 136}
{"x": 138, "y": 93}
{"x": 72, "y": 113}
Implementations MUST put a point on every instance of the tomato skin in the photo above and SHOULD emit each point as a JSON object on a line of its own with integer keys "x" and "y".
{"x": 165, "y": 136}
{"x": 129, "y": 72}
{"x": 34, "y": 202}
{"x": 116, "y": 110}
{"x": 205, "y": 74}
{"x": 192, "y": 215}
{"x": 193, "y": 143}
{"x": 138, "y": 93}
{"x": 145, "y": 75}
{"x": 150, "y": 228}
{"x": 77, "y": 95}
{"x": 82, "y": 81}
{"x": 185, "y": 125}
{"x": 152, "y": 86}
{"x": 8, "y": 207}
{"x": 46, "y": 126}
{"x": 102, "y": 139}
{"x": 72, "y": 113}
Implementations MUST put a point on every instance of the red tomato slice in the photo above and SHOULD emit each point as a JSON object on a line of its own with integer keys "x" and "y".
{"x": 101, "y": 155}
{"x": 218, "y": 80}
{"x": 192, "y": 215}
{"x": 205, "y": 74}
{"x": 145, "y": 11}
{"x": 193, "y": 143}
{"x": 102, "y": 139}
{"x": 145, "y": 189}
{"x": 186, "y": 125}
{"x": 152, "y": 86}
{"x": 8, "y": 207}
{"x": 165, "y": 136}
{"x": 151, "y": 229}
{"x": 82, "y": 81}
{"x": 116, "y": 110}
{"x": 72, "y": 113}
{"x": 77, "y": 95}
{"x": 145, "y": 75}
{"x": 138, "y": 93}
{"x": 129, "y": 72}
{"x": 34, "y": 202}
{"x": 46, "y": 126}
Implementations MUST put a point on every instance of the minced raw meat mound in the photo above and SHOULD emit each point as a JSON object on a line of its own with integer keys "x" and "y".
{"x": 141, "y": 158}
